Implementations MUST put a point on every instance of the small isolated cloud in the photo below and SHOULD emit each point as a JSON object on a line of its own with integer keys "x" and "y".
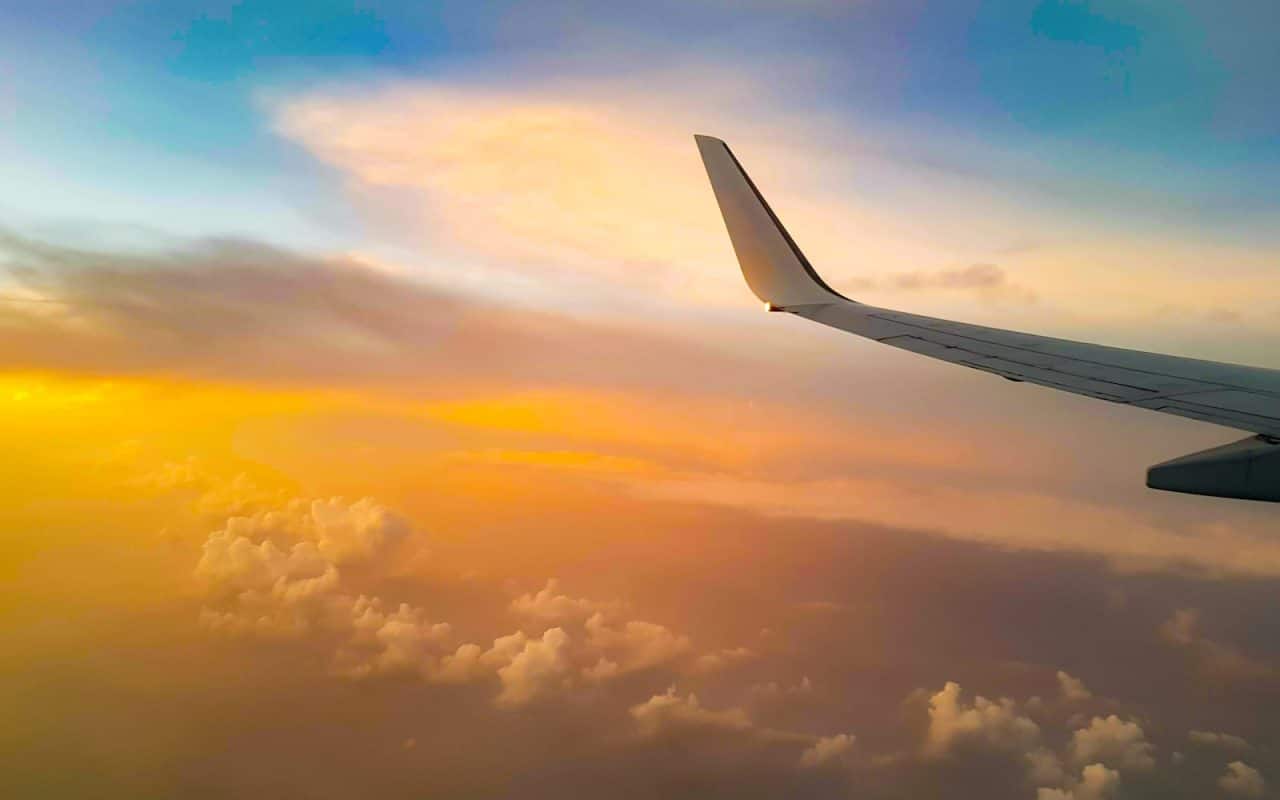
{"x": 1073, "y": 689}
{"x": 721, "y": 659}
{"x": 1217, "y": 659}
{"x": 989, "y": 280}
{"x": 1226, "y": 741}
{"x": 1096, "y": 782}
{"x": 1114, "y": 742}
{"x": 669, "y": 711}
{"x": 1242, "y": 780}
{"x": 549, "y": 605}
{"x": 828, "y": 750}
{"x": 994, "y": 724}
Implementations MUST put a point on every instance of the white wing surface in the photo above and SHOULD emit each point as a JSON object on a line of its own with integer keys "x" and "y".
{"x": 1231, "y": 395}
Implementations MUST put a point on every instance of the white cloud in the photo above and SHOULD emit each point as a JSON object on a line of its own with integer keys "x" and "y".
{"x": 828, "y": 749}
{"x": 352, "y": 532}
{"x": 277, "y": 571}
{"x": 403, "y": 640}
{"x": 1044, "y": 768}
{"x": 547, "y": 604}
{"x": 541, "y": 665}
{"x": 635, "y": 646}
{"x": 1242, "y": 780}
{"x": 1218, "y": 659}
{"x": 1097, "y": 782}
{"x": 259, "y": 588}
{"x": 1073, "y": 689}
{"x": 666, "y": 711}
{"x": 995, "y": 724}
{"x": 721, "y": 659}
{"x": 1226, "y": 741}
{"x": 1114, "y": 742}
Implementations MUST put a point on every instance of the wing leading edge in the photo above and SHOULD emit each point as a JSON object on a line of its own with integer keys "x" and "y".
{"x": 1235, "y": 396}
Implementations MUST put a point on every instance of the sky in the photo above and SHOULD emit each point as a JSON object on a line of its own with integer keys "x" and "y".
{"x": 384, "y": 413}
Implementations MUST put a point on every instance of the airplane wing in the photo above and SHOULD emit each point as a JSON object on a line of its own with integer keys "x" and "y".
{"x": 1240, "y": 397}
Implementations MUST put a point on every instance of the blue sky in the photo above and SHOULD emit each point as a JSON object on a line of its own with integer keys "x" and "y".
{"x": 1174, "y": 97}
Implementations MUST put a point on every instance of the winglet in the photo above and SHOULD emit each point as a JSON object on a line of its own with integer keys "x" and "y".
{"x": 775, "y": 269}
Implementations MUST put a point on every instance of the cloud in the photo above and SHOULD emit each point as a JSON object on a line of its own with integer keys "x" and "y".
{"x": 403, "y": 640}
{"x": 721, "y": 659}
{"x": 675, "y": 715}
{"x": 993, "y": 724}
{"x": 974, "y": 276}
{"x": 636, "y": 645}
{"x": 278, "y": 573}
{"x": 1114, "y": 742}
{"x": 556, "y": 183}
{"x": 548, "y": 605}
{"x": 541, "y": 665}
{"x": 1096, "y": 782}
{"x": 262, "y": 589}
{"x": 1044, "y": 768}
{"x": 1226, "y": 741}
{"x": 827, "y": 750}
{"x": 1242, "y": 780}
{"x": 244, "y": 310}
{"x": 988, "y": 279}
{"x": 351, "y": 533}
{"x": 552, "y": 178}
{"x": 663, "y": 712}
{"x": 774, "y": 692}
{"x": 1073, "y": 689}
{"x": 1218, "y": 659}
{"x": 567, "y": 388}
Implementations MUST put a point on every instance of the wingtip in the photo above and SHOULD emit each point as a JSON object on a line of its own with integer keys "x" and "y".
{"x": 702, "y": 138}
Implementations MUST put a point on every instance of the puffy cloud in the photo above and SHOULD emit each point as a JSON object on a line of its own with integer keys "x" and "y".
{"x": 471, "y": 662}
{"x": 258, "y": 588}
{"x": 1073, "y": 689}
{"x": 461, "y": 666}
{"x": 635, "y": 646}
{"x": 403, "y": 640}
{"x": 1216, "y": 658}
{"x": 1097, "y": 782}
{"x": 667, "y": 711}
{"x": 547, "y": 604}
{"x": 343, "y": 532}
{"x": 1113, "y": 741}
{"x": 994, "y": 724}
{"x": 828, "y": 749}
{"x": 1242, "y": 780}
{"x": 352, "y": 532}
{"x": 1044, "y": 768}
{"x": 1226, "y": 741}
{"x": 539, "y": 666}
{"x": 276, "y": 572}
